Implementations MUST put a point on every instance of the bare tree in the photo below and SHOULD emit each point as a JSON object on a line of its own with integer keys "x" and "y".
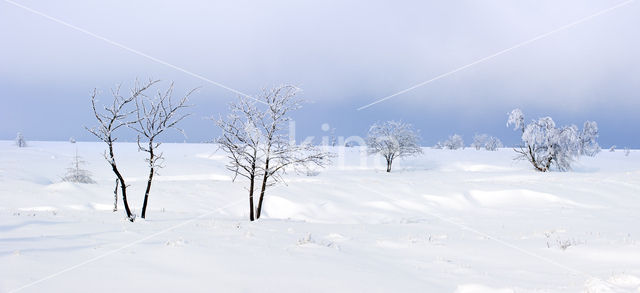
{"x": 254, "y": 138}
{"x": 112, "y": 118}
{"x": 156, "y": 114}
{"x": 76, "y": 174}
{"x": 392, "y": 140}
{"x": 279, "y": 154}
{"x": 241, "y": 141}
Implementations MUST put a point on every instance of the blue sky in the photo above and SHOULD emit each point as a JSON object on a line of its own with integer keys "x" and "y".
{"x": 343, "y": 54}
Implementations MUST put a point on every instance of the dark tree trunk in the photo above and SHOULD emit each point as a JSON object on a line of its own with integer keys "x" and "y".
{"x": 265, "y": 177}
{"x": 389, "y": 165}
{"x": 146, "y": 193}
{"x": 535, "y": 162}
{"x": 253, "y": 177}
{"x": 115, "y": 196}
{"x": 123, "y": 185}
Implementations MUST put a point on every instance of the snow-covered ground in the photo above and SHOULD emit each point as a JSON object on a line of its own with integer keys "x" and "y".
{"x": 447, "y": 221}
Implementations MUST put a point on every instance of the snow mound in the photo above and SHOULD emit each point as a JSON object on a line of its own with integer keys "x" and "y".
{"x": 518, "y": 197}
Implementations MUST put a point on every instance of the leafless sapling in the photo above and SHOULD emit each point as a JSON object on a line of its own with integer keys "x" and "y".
{"x": 253, "y": 138}
{"x": 112, "y": 118}
{"x": 279, "y": 153}
{"x": 241, "y": 140}
{"x": 156, "y": 114}
{"x": 76, "y": 174}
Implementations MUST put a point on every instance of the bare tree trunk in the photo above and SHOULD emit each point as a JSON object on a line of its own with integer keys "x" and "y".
{"x": 115, "y": 196}
{"x": 389, "y": 165}
{"x": 123, "y": 185}
{"x": 151, "y": 170}
{"x": 251, "y": 218}
{"x": 535, "y": 162}
{"x": 265, "y": 177}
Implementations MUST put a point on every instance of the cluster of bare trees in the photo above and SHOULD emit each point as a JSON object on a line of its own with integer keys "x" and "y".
{"x": 257, "y": 143}
{"x": 149, "y": 116}
{"x": 258, "y": 148}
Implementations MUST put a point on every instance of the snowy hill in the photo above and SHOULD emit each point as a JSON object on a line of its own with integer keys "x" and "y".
{"x": 447, "y": 221}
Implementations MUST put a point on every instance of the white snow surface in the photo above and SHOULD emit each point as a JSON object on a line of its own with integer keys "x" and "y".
{"x": 446, "y": 221}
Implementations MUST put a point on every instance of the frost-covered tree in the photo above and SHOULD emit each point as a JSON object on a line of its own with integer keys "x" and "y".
{"x": 493, "y": 144}
{"x": 254, "y": 138}
{"x": 75, "y": 172}
{"x": 157, "y": 114}
{"x": 544, "y": 144}
{"x": 278, "y": 153}
{"x": 484, "y": 141}
{"x": 588, "y": 139}
{"x": 393, "y": 139}
{"x": 241, "y": 141}
{"x": 612, "y": 148}
{"x": 20, "y": 142}
{"x": 479, "y": 141}
{"x": 111, "y": 118}
{"x": 454, "y": 142}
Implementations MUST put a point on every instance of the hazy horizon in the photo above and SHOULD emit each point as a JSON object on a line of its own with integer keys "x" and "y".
{"x": 343, "y": 55}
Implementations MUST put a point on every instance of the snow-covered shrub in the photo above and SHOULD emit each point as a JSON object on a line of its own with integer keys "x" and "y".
{"x": 454, "y": 142}
{"x": 626, "y": 152}
{"x": 484, "y": 141}
{"x": 544, "y": 144}
{"x": 438, "y": 146}
{"x": 493, "y": 144}
{"x": 72, "y": 140}
{"x": 393, "y": 139}
{"x": 479, "y": 140}
{"x": 20, "y": 142}
{"x": 612, "y": 148}
{"x": 588, "y": 139}
{"x": 76, "y": 174}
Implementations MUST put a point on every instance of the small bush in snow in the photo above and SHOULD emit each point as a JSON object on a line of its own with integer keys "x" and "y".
{"x": 20, "y": 142}
{"x": 626, "y": 152}
{"x": 393, "y": 139}
{"x": 483, "y": 141}
{"x": 479, "y": 140}
{"x": 454, "y": 142}
{"x": 493, "y": 144}
{"x": 76, "y": 174}
{"x": 612, "y": 148}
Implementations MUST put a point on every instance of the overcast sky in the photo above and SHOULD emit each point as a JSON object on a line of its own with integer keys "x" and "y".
{"x": 343, "y": 54}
